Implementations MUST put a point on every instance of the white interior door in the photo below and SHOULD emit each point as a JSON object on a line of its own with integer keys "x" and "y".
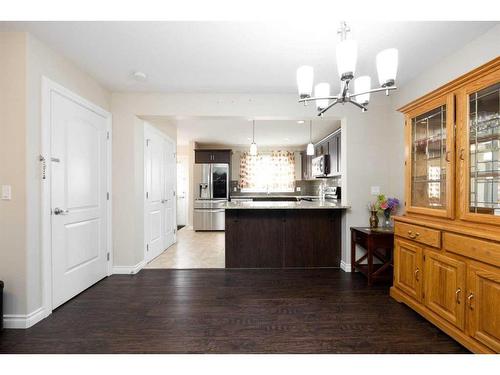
{"x": 182, "y": 189}
{"x": 169, "y": 196}
{"x": 160, "y": 186}
{"x": 78, "y": 197}
{"x": 154, "y": 175}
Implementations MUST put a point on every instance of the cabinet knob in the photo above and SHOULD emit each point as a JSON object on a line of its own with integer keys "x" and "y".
{"x": 457, "y": 296}
{"x": 416, "y": 274}
{"x": 462, "y": 154}
{"x": 470, "y": 298}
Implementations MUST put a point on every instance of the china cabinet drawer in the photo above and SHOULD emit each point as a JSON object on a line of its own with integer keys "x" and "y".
{"x": 485, "y": 251}
{"x": 427, "y": 236}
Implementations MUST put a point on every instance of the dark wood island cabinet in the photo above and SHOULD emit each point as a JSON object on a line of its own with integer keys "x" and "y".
{"x": 283, "y": 235}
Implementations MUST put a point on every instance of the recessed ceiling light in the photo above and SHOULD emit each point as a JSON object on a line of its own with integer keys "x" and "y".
{"x": 287, "y": 139}
{"x": 300, "y": 122}
{"x": 139, "y": 76}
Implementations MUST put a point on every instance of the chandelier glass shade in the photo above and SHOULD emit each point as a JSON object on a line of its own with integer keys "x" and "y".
{"x": 347, "y": 54}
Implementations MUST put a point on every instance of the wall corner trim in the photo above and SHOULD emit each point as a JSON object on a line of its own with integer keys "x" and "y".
{"x": 128, "y": 270}
{"x": 19, "y": 321}
{"x": 346, "y": 267}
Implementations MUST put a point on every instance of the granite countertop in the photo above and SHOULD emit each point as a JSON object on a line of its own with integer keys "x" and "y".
{"x": 276, "y": 205}
{"x": 273, "y": 196}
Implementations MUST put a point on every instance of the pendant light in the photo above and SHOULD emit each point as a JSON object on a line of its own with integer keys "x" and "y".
{"x": 310, "y": 146}
{"x": 387, "y": 66}
{"x": 253, "y": 146}
{"x": 322, "y": 90}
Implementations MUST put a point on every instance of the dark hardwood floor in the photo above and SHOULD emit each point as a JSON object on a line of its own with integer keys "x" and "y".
{"x": 232, "y": 311}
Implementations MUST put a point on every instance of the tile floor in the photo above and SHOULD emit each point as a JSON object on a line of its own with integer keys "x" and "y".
{"x": 193, "y": 250}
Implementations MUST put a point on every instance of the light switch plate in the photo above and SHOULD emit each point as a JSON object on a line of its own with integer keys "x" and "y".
{"x": 375, "y": 190}
{"x": 6, "y": 192}
{"x": 297, "y": 188}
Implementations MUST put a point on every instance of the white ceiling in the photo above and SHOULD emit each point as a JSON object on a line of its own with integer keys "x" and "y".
{"x": 239, "y": 57}
{"x": 237, "y": 131}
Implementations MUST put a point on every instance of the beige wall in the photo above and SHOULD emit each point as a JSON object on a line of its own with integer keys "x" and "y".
{"x": 35, "y": 61}
{"x": 13, "y": 213}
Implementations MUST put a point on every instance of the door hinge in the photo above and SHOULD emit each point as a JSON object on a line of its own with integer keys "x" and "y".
{"x": 147, "y": 142}
{"x": 174, "y": 193}
{"x": 107, "y": 257}
{"x": 147, "y": 195}
{"x": 107, "y": 196}
{"x": 107, "y": 135}
{"x": 147, "y": 247}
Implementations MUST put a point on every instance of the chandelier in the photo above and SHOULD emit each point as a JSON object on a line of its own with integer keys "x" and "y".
{"x": 347, "y": 50}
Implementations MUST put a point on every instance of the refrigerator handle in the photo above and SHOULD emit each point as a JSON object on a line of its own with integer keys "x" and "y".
{"x": 211, "y": 181}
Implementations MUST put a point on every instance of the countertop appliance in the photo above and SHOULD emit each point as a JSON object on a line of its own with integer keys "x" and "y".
{"x": 211, "y": 184}
{"x": 333, "y": 192}
{"x": 321, "y": 166}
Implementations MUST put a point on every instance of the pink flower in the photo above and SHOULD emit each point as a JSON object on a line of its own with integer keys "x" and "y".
{"x": 384, "y": 205}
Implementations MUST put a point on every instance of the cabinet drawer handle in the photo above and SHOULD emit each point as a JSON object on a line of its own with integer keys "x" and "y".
{"x": 416, "y": 274}
{"x": 470, "y": 298}
{"x": 457, "y": 295}
{"x": 413, "y": 235}
{"x": 447, "y": 157}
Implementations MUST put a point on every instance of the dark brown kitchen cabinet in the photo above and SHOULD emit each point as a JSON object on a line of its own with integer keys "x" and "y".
{"x": 311, "y": 239}
{"x": 268, "y": 238}
{"x": 212, "y": 156}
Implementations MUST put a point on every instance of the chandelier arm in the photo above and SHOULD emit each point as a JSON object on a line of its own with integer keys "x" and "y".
{"x": 378, "y": 89}
{"x": 327, "y": 108}
{"x": 318, "y": 98}
{"x": 358, "y": 105}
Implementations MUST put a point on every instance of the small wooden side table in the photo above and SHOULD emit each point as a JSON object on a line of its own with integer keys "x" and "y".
{"x": 379, "y": 243}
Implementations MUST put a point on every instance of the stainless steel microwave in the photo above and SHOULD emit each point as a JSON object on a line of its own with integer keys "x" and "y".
{"x": 321, "y": 166}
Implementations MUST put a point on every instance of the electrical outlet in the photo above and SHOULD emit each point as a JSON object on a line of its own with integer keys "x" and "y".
{"x": 375, "y": 190}
{"x": 297, "y": 188}
{"x": 235, "y": 188}
{"x": 6, "y": 192}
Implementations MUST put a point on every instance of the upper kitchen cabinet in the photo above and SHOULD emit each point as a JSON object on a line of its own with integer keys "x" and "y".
{"x": 478, "y": 148}
{"x": 429, "y": 157}
{"x": 212, "y": 156}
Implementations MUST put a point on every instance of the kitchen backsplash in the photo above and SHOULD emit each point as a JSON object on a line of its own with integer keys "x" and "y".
{"x": 307, "y": 187}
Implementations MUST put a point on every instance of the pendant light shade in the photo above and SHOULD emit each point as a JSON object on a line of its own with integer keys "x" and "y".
{"x": 347, "y": 55}
{"x": 387, "y": 66}
{"x": 305, "y": 78}
{"x": 322, "y": 90}
{"x": 310, "y": 146}
{"x": 253, "y": 146}
{"x": 253, "y": 149}
{"x": 362, "y": 84}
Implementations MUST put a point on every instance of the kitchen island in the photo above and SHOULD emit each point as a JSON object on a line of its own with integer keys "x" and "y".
{"x": 279, "y": 234}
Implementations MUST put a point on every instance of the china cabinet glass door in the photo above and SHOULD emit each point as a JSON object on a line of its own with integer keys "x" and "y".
{"x": 480, "y": 151}
{"x": 430, "y": 149}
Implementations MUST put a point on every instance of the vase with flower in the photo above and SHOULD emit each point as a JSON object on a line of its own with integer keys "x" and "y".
{"x": 388, "y": 207}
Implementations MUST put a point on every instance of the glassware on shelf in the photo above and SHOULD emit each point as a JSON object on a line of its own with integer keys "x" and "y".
{"x": 484, "y": 143}
{"x": 428, "y": 169}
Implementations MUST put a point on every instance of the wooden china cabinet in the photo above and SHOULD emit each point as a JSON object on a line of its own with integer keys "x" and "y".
{"x": 447, "y": 245}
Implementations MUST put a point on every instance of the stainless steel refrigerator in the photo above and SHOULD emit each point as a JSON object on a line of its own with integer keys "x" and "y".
{"x": 211, "y": 184}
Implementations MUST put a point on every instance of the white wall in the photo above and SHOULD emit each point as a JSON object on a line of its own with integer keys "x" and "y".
{"x": 36, "y": 61}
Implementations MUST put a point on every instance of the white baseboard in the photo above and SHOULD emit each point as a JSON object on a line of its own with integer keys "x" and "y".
{"x": 128, "y": 270}
{"x": 346, "y": 267}
{"x": 24, "y": 321}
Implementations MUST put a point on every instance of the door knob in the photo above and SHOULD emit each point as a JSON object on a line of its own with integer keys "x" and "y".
{"x": 58, "y": 211}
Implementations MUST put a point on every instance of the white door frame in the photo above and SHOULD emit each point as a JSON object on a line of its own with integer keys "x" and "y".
{"x": 151, "y": 128}
{"x": 49, "y": 86}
